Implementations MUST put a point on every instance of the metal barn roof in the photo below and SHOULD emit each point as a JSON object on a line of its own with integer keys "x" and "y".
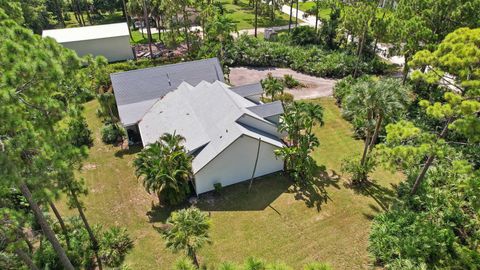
{"x": 87, "y": 32}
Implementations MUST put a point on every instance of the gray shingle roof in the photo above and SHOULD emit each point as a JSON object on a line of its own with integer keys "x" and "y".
{"x": 137, "y": 90}
{"x": 207, "y": 115}
{"x": 267, "y": 109}
{"x": 248, "y": 89}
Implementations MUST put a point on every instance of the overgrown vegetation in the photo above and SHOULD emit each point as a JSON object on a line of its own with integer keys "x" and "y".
{"x": 312, "y": 60}
{"x": 435, "y": 224}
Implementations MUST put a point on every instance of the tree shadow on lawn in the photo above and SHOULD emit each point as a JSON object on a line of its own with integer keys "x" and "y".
{"x": 160, "y": 213}
{"x": 383, "y": 196}
{"x": 314, "y": 192}
{"x": 238, "y": 197}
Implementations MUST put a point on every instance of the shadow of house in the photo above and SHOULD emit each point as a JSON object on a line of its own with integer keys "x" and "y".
{"x": 238, "y": 197}
{"x": 129, "y": 151}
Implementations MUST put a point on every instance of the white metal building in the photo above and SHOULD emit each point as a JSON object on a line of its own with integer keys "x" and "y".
{"x": 109, "y": 40}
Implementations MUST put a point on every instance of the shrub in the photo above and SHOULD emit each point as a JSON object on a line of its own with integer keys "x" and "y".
{"x": 115, "y": 244}
{"x": 342, "y": 88}
{"x": 184, "y": 263}
{"x": 317, "y": 266}
{"x": 303, "y": 35}
{"x": 285, "y": 98}
{"x": 399, "y": 235}
{"x": 218, "y": 188}
{"x": 290, "y": 82}
{"x": 112, "y": 133}
{"x": 357, "y": 172}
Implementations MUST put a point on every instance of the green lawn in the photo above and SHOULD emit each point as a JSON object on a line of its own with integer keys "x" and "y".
{"x": 274, "y": 222}
{"x": 324, "y": 12}
{"x": 244, "y": 15}
{"x": 106, "y": 18}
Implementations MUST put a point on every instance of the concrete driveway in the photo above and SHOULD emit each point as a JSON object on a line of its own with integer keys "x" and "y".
{"x": 315, "y": 87}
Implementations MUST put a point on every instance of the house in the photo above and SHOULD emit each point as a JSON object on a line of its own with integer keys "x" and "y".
{"x": 229, "y": 132}
{"x": 109, "y": 40}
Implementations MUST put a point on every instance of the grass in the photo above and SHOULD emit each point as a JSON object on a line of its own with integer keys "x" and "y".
{"x": 244, "y": 15}
{"x": 325, "y": 11}
{"x": 106, "y": 18}
{"x": 329, "y": 223}
{"x": 305, "y": 6}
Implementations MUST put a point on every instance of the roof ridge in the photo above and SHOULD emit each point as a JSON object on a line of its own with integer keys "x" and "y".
{"x": 168, "y": 65}
{"x": 159, "y": 99}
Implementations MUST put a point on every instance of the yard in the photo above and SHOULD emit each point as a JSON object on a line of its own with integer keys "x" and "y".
{"x": 305, "y": 6}
{"x": 329, "y": 223}
{"x": 244, "y": 15}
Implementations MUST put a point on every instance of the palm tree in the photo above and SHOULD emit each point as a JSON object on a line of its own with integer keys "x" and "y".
{"x": 221, "y": 28}
{"x": 184, "y": 4}
{"x": 124, "y": 7}
{"x": 272, "y": 86}
{"x": 373, "y": 103}
{"x": 188, "y": 231}
{"x": 166, "y": 168}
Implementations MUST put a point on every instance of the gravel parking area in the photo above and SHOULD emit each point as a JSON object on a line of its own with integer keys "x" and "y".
{"x": 314, "y": 86}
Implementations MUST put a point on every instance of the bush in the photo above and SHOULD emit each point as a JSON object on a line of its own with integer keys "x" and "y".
{"x": 303, "y": 35}
{"x": 115, "y": 244}
{"x": 218, "y": 188}
{"x": 317, "y": 266}
{"x": 357, "y": 172}
{"x": 112, "y": 133}
{"x": 399, "y": 235}
{"x": 290, "y": 82}
{"x": 312, "y": 60}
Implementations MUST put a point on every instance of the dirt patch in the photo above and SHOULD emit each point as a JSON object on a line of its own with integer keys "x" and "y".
{"x": 314, "y": 87}
{"x": 89, "y": 167}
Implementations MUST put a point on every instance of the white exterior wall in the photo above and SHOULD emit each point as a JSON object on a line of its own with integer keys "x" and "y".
{"x": 236, "y": 163}
{"x": 258, "y": 124}
{"x": 114, "y": 48}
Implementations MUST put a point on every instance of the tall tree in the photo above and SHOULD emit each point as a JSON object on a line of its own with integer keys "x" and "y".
{"x": 419, "y": 24}
{"x": 374, "y": 103}
{"x": 221, "y": 28}
{"x": 189, "y": 231}
{"x": 290, "y": 17}
{"x": 39, "y": 85}
{"x": 356, "y": 20}
{"x": 185, "y": 5}
{"x": 455, "y": 64}
{"x": 256, "y": 17}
